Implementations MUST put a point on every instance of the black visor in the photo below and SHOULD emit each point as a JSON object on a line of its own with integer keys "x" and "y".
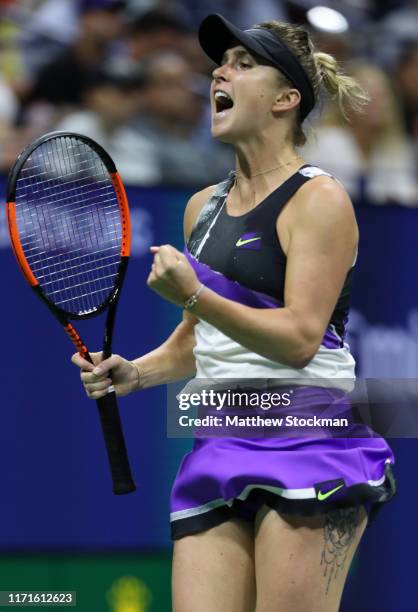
{"x": 216, "y": 35}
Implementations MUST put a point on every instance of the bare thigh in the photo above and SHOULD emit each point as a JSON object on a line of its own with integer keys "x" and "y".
{"x": 302, "y": 562}
{"x": 213, "y": 571}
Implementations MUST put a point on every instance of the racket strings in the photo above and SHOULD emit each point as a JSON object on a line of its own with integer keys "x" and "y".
{"x": 69, "y": 224}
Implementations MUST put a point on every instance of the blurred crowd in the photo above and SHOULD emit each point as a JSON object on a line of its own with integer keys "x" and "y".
{"x": 132, "y": 76}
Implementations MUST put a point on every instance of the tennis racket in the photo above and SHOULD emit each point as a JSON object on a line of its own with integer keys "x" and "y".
{"x": 68, "y": 220}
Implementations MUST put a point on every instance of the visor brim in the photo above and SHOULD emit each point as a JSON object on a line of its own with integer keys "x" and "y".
{"x": 217, "y": 34}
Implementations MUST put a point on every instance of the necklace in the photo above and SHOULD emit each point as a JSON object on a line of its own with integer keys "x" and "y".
{"x": 289, "y": 163}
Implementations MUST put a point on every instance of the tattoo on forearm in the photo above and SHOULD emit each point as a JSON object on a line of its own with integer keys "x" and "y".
{"x": 339, "y": 531}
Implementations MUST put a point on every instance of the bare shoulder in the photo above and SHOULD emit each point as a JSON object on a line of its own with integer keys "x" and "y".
{"x": 322, "y": 221}
{"x": 193, "y": 208}
{"x": 323, "y": 199}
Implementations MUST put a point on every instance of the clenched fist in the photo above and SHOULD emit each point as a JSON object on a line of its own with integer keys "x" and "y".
{"x": 171, "y": 275}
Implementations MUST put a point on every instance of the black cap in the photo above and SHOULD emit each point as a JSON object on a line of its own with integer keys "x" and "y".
{"x": 217, "y": 33}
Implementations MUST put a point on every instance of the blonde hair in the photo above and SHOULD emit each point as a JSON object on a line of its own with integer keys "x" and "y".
{"x": 391, "y": 134}
{"x": 322, "y": 70}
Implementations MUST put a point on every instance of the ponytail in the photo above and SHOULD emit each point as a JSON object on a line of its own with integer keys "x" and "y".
{"x": 350, "y": 96}
{"x": 322, "y": 70}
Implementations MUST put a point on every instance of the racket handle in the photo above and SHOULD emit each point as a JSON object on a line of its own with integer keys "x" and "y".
{"x": 115, "y": 445}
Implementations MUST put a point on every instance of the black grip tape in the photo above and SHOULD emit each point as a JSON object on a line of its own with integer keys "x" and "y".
{"x": 115, "y": 445}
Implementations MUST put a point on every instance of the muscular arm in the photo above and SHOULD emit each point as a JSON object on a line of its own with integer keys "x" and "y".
{"x": 174, "y": 359}
{"x": 171, "y": 361}
{"x": 322, "y": 242}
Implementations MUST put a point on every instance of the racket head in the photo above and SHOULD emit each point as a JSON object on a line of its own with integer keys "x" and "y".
{"x": 69, "y": 225}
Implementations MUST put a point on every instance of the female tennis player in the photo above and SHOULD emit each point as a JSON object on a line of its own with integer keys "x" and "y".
{"x": 265, "y": 524}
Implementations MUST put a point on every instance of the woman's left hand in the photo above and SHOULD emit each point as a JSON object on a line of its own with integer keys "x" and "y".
{"x": 171, "y": 275}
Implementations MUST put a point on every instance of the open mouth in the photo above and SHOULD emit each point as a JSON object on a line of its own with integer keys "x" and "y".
{"x": 223, "y": 102}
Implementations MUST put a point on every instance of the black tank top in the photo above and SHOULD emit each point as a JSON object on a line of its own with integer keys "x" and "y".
{"x": 246, "y": 249}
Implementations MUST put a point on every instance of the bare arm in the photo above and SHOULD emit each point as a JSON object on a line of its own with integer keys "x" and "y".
{"x": 322, "y": 241}
{"x": 173, "y": 360}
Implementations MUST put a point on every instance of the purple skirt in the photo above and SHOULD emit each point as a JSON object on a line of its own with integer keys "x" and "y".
{"x": 223, "y": 478}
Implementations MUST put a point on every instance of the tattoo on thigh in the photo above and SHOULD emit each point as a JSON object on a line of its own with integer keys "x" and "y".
{"x": 339, "y": 532}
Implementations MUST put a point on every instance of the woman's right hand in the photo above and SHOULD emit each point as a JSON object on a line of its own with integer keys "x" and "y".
{"x": 95, "y": 376}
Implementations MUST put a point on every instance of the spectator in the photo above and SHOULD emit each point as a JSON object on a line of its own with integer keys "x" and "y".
{"x": 154, "y": 31}
{"x": 61, "y": 82}
{"x": 11, "y": 57}
{"x": 172, "y": 114}
{"x": 398, "y": 28}
{"x": 111, "y": 101}
{"x": 8, "y": 109}
{"x": 48, "y": 29}
{"x": 371, "y": 155}
{"x": 8, "y": 105}
{"x": 242, "y": 12}
{"x": 406, "y": 79}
